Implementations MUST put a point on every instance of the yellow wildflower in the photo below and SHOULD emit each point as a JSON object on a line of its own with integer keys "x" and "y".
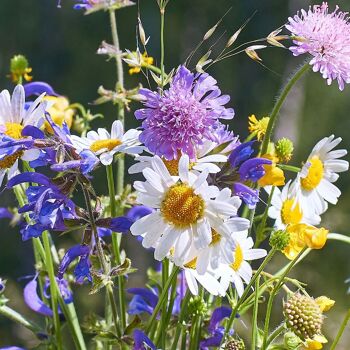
{"x": 274, "y": 176}
{"x": 258, "y": 126}
{"x": 19, "y": 69}
{"x": 325, "y": 303}
{"x": 303, "y": 235}
{"x": 145, "y": 61}
{"x": 315, "y": 343}
{"x": 59, "y": 112}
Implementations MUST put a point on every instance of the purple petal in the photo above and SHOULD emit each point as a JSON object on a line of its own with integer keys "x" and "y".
{"x": 40, "y": 179}
{"x": 37, "y": 88}
{"x": 71, "y": 254}
{"x": 140, "y": 339}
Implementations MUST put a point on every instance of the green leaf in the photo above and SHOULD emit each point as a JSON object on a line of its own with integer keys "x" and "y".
{"x": 134, "y": 324}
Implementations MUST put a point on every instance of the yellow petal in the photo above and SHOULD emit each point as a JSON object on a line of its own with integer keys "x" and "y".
{"x": 325, "y": 303}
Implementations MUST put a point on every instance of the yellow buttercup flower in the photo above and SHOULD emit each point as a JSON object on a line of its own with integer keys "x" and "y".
{"x": 145, "y": 61}
{"x": 19, "y": 69}
{"x": 274, "y": 176}
{"x": 303, "y": 235}
{"x": 316, "y": 343}
{"x": 258, "y": 126}
{"x": 59, "y": 112}
{"x": 325, "y": 303}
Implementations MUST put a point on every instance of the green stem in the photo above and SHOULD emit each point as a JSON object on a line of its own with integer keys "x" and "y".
{"x": 278, "y": 105}
{"x": 18, "y": 318}
{"x": 194, "y": 344}
{"x": 53, "y": 290}
{"x": 162, "y": 50}
{"x": 275, "y": 334}
{"x": 273, "y": 295}
{"x": 292, "y": 168}
{"x": 119, "y": 86}
{"x": 102, "y": 260}
{"x": 116, "y": 238}
{"x": 339, "y": 237}
{"x": 246, "y": 292}
{"x": 341, "y": 330}
{"x": 182, "y": 316}
{"x": 162, "y": 296}
{"x": 255, "y": 314}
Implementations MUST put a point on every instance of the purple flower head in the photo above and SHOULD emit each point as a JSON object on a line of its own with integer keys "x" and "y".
{"x": 325, "y": 36}
{"x": 37, "y": 88}
{"x": 33, "y": 301}
{"x": 184, "y": 116}
{"x": 138, "y": 211}
{"x": 82, "y": 270}
{"x": 2, "y": 285}
{"x": 247, "y": 194}
{"x": 142, "y": 342}
{"x": 119, "y": 224}
{"x": 144, "y": 300}
{"x": 252, "y": 169}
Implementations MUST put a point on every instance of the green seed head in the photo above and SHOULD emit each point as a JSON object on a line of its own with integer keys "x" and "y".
{"x": 284, "y": 150}
{"x": 197, "y": 306}
{"x": 303, "y": 316}
{"x": 19, "y": 64}
{"x": 279, "y": 239}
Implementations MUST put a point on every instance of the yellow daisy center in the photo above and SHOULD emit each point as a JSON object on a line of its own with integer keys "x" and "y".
{"x": 8, "y": 161}
{"x": 109, "y": 144}
{"x": 215, "y": 237}
{"x": 238, "y": 258}
{"x": 181, "y": 206}
{"x": 192, "y": 264}
{"x": 314, "y": 176}
{"x": 172, "y": 166}
{"x": 291, "y": 212}
{"x": 14, "y": 130}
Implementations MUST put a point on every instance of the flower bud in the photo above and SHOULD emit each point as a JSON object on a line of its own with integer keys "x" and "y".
{"x": 197, "y": 306}
{"x": 284, "y": 150}
{"x": 235, "y": 344}
{"x": 279, "y": 240}
{"x": 19, "y": 68}
{"x": 303, "y": 316}
{"x": 291, "y": 341}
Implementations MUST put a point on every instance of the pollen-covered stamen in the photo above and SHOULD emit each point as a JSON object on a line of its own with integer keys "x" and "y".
{"x": 238, "y": 258}
{"x": 215, "y": 237}
{"x": 291, "y": 212}
{"x": 314, "y": 176}
{"x": 14, "y": 130}
{"x": 192, "y": 264}
{"x": 8, "y": 161}
{"x": 173, "y": 165}
{"x": 181, "y": 206}
{"x": 109, "y": 145}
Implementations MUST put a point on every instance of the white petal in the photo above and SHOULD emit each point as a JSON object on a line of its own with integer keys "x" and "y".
{"x": 166, "y": 242}
{"x": 30, "y": 155}
{"x": 17, "y": 104}
{"x": 184, "y": 165}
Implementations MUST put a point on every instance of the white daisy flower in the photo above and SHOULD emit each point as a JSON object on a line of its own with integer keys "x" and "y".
{"x": 106, "y": 145}
{"x": 204, "y": 161}
{"x": 187, "y": 209}
{"x": 240, "y": 270}
{"x": 208, "y": 281}
{"x": 285, "y": 208}
{"x": 14, "y": 117}
{"x": 318, "y": 174}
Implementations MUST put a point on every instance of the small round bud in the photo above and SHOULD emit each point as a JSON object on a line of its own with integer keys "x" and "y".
{"x": 284, "y": 150}
{"x": 197, "y": 306}
{"x": 19, "y": 64}
{"x": 303, "y": 316}
{"x": 235, "y": 344}
{"x": 279, "y": 239}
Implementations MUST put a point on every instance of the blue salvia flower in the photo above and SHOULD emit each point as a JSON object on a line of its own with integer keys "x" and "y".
{"x": 2, "y": 285}
{"x": 215, "y": 330}
{"x": 142, "y": 342}
{"x": 5, "y": 214}
{"x": 247, "y": 168}
{"x": 82, "y": 270}
{"x": 144, "y": 300}
{"x": 63, "y": 286}
{"x": 36, "y": 88}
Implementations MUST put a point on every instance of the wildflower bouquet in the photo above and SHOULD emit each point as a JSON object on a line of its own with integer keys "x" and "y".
{"x": 208, "y": 204}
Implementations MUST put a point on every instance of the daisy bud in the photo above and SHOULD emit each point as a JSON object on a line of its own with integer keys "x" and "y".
{"x": 279, "y": 240}
{"x": 197, "y": 306}
{"x": 284, "y": 150}
{"x": 235, "y": 344}
{"x": 303, "y": 316}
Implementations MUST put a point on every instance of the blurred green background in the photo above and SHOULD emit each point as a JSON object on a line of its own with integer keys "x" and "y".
{"x": 61, "y": 45}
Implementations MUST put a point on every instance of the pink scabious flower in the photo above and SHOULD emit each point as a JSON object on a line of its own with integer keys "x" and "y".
{"x": 326, "y": 36}
{"x": 184, "y": 116}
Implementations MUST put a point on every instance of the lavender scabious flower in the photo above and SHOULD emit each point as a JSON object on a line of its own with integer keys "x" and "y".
{"x": 326, "y": 36}
{"x": 184, "y": 116}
